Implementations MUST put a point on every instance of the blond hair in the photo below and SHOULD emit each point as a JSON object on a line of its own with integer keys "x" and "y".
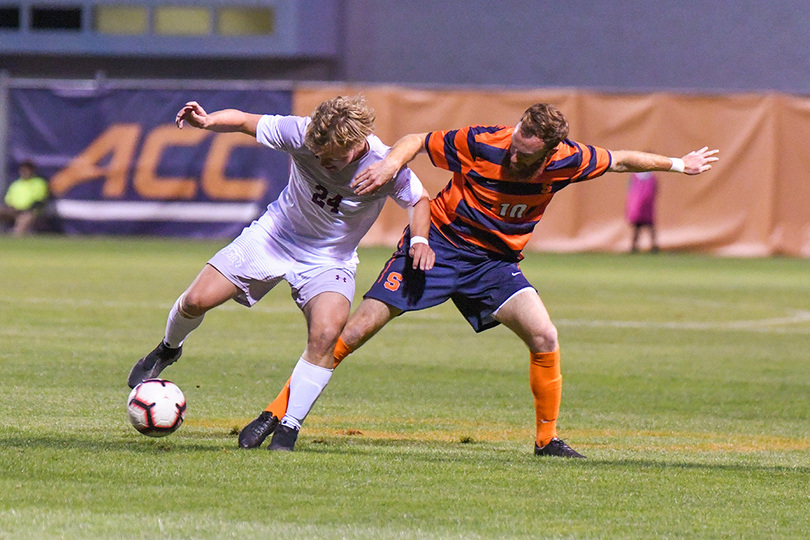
{"x": 340, "y": 122}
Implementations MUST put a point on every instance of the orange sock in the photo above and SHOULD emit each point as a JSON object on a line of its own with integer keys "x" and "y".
{"x": 546, "y": 383}
{"x": 341, "y": 351}
{"x": 279, "y": 405}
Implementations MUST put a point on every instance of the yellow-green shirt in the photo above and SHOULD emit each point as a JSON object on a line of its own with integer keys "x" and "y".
{"x": 24, "y": 193}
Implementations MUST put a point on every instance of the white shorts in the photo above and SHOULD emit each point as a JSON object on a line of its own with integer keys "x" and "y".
{"x": 257, "y": 261}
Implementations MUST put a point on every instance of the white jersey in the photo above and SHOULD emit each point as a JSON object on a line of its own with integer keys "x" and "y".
{"x": 317, "y": 212}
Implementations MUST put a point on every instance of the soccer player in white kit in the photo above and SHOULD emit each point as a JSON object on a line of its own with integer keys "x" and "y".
{"x": 308, "y": 237}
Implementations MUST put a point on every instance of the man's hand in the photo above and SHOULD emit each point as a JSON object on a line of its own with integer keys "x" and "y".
{"x": 192, "y": 113}
{"x": 423, "y": 257}
{"x": 382, "y": 172}
{"x": 374, "y": 177}
{"x": 698, "y": 161}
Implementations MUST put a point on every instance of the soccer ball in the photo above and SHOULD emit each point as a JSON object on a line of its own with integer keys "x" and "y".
{"x": 156, "y": 407}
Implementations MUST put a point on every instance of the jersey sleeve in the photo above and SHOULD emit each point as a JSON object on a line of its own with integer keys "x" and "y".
{"x": 408, "y": 188}
{"x": 469, "y": 148}
{"x": 573, "y": 161}
{"x": 285, "y": 133}
{"x": 449, "y": 150}
{"x": 594, "y": 161}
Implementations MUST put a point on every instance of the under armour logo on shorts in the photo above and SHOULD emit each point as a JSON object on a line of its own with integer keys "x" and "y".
{"x": 234, "y": 255}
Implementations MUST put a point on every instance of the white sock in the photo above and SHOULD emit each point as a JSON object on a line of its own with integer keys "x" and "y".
{"x": 306, "y": 384}
{"x": 179, "y": 326}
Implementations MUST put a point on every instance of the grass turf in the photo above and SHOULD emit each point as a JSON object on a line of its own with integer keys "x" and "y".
{"x": 687, "y": 384}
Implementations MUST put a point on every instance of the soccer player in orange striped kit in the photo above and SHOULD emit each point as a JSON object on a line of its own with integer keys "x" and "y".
{"x": 503, "y": 179}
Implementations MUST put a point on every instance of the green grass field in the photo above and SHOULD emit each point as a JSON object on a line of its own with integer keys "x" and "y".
{"x": 687, "y": 385}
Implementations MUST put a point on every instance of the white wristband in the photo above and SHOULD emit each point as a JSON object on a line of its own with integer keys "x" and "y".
{"x": 677, "y": 165}
{"x": 418, "y": 240}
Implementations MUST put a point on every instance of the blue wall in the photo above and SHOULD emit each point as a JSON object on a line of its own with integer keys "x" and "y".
{"x": 715, "y": 45}
{"x": 621, "y": 45}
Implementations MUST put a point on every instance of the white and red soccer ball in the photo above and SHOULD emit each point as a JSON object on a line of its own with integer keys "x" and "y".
{"x": 156, "y": 407}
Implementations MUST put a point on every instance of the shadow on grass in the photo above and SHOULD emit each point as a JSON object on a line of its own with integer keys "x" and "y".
{"x": 464, "y": 450}
{"x": 485, "y": 452}
{"x": 638, "y": 463}
{"x": 139, "y": 445}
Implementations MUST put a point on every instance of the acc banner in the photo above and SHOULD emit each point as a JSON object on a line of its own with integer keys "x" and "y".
{"x": 117, "y": 164}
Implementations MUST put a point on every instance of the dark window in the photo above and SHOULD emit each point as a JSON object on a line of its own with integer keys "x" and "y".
{"x": 9, "y": 17}
{"x": 56, "y": 18}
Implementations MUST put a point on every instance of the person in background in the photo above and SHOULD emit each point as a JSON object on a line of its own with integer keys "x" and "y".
{"x": 640, "y": 209}
{"x": 24, "y": 201}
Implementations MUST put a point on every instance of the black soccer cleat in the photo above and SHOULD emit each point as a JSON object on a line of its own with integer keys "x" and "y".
{"x": 150, "y": 366}
{"x": 557, "y": 447}
{"x": 254, "y": 434}
{"x": 283, "y": 438}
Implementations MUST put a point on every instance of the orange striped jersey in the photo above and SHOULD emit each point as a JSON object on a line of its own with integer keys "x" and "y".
{"x": 483, "y": 209}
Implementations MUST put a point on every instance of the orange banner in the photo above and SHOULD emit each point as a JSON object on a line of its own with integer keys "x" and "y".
{"x": 754, "y": 202}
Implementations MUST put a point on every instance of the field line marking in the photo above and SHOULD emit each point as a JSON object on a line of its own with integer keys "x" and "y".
{"x": 143, "y": 305}
{"x": 796, "y": 316}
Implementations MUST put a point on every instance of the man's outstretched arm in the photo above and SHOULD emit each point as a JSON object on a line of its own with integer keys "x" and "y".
{"x": 695, "y": 162}
{"x": 224, "y": 121}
